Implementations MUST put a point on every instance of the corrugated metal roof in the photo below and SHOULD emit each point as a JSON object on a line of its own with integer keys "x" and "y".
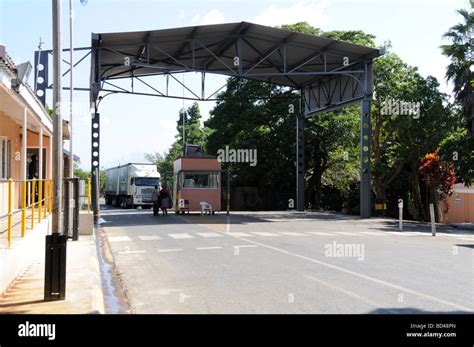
{"x": 170, "y": 50}
{"x": 6, "y": 60}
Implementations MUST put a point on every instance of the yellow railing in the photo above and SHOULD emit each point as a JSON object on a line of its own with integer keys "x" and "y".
{"x": 39, "y": 209}
{"x": 44, "y": 199}
{"x": 88, "y": 195}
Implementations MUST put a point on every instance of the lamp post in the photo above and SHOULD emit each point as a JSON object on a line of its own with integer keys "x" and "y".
{"x": 71, "y": 88}
{"x": 55, "y": 255}
{"x": 71, "y": 83}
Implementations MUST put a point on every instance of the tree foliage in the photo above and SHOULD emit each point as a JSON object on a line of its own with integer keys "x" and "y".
{"x": 260, "y": 115}
{"x": 193, "y": 133}
{"x": 459, "y": 71}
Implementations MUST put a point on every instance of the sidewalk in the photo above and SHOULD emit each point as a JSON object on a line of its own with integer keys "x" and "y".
{"x": 83, "y": 284}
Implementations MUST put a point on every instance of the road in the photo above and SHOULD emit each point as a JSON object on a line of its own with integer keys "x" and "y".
{"x": 288, "y": 263}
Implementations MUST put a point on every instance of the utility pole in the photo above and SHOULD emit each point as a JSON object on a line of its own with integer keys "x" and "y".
{"x": 71, "y": 88}
{"x": 55, "y": 255}
{"x": 57, "y": 119}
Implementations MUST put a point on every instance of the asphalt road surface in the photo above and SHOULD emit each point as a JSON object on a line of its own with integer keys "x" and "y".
{"x": 283, "y": 262}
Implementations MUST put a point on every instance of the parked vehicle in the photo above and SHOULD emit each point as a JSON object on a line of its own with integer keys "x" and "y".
{"x": 131, "y": 185}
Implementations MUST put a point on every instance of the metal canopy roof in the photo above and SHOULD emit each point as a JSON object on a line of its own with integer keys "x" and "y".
{"x": 330, "y": 74}
{"x": 263, "y": 53}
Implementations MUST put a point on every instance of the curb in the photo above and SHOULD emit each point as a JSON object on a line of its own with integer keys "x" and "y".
{"x": 97, "y": 295}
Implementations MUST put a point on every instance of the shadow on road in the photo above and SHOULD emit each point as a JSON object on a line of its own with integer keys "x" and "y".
{"x": 130, "y": 217}
{"x": 115, "y": 217}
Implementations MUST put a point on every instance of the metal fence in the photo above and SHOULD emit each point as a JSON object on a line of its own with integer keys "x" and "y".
{"x": 35, "y": 196}
{"x": 29, "y": 201}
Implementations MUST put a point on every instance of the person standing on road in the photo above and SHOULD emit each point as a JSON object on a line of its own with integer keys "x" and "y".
{"x": 155, "y": 197}
{"x": 164, "y": 200}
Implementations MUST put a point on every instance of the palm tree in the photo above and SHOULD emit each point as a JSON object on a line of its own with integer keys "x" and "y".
{"x": 460, "y": 52}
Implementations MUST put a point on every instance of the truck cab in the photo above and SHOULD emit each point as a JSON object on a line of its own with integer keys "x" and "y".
{"x": 142, "y": 188}
{"x": 131, "y": 185}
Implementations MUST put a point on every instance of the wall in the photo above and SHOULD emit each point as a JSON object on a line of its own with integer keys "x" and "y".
{"x": 461, "y": 206}
{"x": 12, "y": 131}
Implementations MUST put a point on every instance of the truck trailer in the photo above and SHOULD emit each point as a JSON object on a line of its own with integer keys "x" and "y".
{"x": 131, "y": 185}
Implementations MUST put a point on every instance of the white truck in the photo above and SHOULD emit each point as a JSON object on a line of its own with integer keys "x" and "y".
{"x": 131, "y": 185}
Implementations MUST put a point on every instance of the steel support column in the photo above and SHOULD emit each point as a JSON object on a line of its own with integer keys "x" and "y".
{"x": 300, "y": 183}
{"x": 95, "y": 171}
{"x": 365, "y": 185}
{"x": 95, "y": 87}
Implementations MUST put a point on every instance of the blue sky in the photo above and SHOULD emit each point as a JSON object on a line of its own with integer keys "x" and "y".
{"x": 133, "y": 125}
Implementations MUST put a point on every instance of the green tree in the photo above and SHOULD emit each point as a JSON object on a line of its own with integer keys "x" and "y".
{"x": 459, "y": 71}
{"x": 194, "y": 134}
{"x": 241, "y": 120}
{"x": 83, "y": 175}
{"x": 332, "y": 138}
{"x": 400, "y": 140}
{"x": 458, "y": 149}
{"x": 302, "y": 27}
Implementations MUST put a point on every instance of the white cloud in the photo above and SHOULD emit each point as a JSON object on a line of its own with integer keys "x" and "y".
{"x": 165, "y": 124}
{"x": 302, "y": 11}
{"x": 212, "y": 17}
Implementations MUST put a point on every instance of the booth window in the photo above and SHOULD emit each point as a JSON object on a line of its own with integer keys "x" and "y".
{"x": 201, "y": 180}
{"x": 5, "y": 154}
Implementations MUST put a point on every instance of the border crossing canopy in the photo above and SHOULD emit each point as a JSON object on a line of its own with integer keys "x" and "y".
{"x": 329, "y": 74}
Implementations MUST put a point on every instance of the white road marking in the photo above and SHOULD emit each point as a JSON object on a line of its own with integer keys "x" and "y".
{"x": 466, "y": 239}
{"x": 347, "y": 292}
{"x": 131, "y": 252}
{"x": 206, "y": 248}
{"x": 245, "y": 246}
{"x": 181, "y": 236}
{"x": 346, "y": 233}
{"x": 170, "y": 250}
{"x": 239, "y": 234}
{"x": 209, "y": 234}
{"x": 292, "y": 233}
{"x": 320, "y": 233}
{"x": 366, "y": 277}
{"x": 119, "y": 238}
{"x": 149, "y": 237}
{"x": 264, "y": 233}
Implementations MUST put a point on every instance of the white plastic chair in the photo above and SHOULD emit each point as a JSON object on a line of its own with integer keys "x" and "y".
{"x": 205, "y": 208}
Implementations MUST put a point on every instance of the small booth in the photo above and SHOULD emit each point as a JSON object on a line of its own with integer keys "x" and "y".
{"x": 196, "y": 182}
{"x": 461, "y": 205}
